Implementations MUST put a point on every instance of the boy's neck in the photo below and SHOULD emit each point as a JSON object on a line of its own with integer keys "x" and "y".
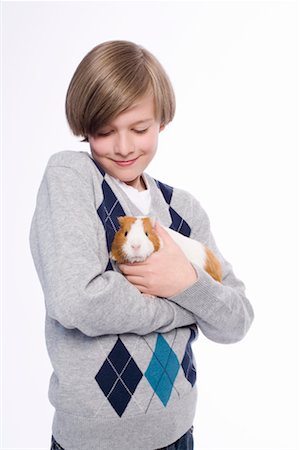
{"x": 140, "y": 185}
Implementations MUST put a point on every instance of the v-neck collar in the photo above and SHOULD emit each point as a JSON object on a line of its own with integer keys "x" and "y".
{"x": 158, "y": 207}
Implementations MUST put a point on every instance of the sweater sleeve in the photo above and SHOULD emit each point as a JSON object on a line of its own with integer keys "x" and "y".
{"x": 223, "y": 312}
{"x": 68, "y": 246}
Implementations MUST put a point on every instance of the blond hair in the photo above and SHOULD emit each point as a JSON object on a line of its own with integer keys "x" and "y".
{"x": 110, "y": 79}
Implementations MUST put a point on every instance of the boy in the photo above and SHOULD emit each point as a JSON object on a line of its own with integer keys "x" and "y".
{"x": 124, "y": 373}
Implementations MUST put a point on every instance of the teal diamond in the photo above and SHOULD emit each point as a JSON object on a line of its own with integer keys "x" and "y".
{"x": 162, "y": 370}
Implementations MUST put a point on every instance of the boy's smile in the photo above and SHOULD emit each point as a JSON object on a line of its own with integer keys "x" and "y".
{"x": 126, "y": 145}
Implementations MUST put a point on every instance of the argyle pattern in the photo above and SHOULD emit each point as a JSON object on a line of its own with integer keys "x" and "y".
{"x": 178, "y": 224}
{"x": 119, "y": 375}
{"x": 187, "y": 361}
{"x": 162, "y": 370}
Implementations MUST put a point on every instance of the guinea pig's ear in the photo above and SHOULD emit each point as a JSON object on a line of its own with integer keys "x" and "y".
{"x": 120, "y": 219}
{"x": 153, "y": 220}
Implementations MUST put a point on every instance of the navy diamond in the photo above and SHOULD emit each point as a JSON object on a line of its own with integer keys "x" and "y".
{"x": 166, "y": 190}
{"x": 187, "y": 362}
{"x": 109, "y": 211}
{"x": 118, "y": 377}
{"x": 178, "y": 224}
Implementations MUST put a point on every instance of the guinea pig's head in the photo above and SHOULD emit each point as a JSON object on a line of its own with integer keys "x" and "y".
{"x": 135, "y": 240}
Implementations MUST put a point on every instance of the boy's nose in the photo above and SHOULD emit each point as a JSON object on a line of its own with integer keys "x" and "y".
{"x": 123, "y": 145}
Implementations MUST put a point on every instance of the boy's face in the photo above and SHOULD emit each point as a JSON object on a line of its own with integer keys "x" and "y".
{"x": 131, "y": 136}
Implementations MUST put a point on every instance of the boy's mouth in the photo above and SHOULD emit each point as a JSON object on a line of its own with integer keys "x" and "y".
{"x": 126, "y": 163}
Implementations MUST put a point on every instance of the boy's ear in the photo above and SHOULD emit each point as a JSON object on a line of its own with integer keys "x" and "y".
{"x": 162, "y": 126}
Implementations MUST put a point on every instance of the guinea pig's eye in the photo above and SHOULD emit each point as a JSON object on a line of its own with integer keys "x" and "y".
{"x": 126, "y": 232}
{"x": 146, "y": 233}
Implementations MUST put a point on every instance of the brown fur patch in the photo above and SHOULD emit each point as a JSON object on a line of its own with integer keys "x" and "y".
{"x": 152, "y": 235}
{"x": 213, "y": 265}
{"x": 120, "y": 238}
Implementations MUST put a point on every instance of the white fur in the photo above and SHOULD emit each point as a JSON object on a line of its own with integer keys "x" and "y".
{"x": 137, "y": 237}
{"x": 193, "y": 250}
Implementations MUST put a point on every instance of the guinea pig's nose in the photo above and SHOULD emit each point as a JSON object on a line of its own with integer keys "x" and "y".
{"x": 136, "y": 246}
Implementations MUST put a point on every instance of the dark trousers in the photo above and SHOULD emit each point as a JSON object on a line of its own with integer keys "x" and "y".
{"x": 186, "y": 442}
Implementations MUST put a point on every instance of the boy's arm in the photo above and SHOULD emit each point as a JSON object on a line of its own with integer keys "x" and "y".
{"x": 223, "y": 312}
{"x": 66, "y": 242}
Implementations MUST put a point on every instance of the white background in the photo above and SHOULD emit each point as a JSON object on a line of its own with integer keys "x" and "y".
{"x": 233, "y": 144}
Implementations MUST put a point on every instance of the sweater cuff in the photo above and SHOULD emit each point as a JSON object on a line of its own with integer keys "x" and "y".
{"x": 202, "y": 290}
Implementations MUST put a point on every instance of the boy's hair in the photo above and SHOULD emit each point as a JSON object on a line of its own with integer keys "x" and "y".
{"x": 111, "y": 78}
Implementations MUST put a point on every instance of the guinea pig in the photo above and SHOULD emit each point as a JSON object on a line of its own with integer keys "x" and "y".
{"x": 136, "y": 239}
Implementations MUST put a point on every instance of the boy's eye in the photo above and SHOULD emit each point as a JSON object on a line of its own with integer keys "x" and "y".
{"x": 101, "y": 134}
{"x": 141, "y": 131}
{"x": 104, "y": 134}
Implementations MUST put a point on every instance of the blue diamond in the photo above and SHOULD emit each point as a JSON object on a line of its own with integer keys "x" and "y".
{"x": 162, "y": 370}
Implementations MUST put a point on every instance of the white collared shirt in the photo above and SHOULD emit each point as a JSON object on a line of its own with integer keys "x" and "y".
{"x": 142, "y": 199}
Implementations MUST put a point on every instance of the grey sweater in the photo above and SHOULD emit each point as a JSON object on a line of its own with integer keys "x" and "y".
{"x": 124, "y": 374}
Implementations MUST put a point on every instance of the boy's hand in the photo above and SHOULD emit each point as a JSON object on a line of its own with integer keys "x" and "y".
{"x": 165, "y": 273}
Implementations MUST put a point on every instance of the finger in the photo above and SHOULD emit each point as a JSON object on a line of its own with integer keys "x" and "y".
{"x": 161, "y": 229}
{"x": 163, "y": 233}
{"x": 129, "y": 269}
{"x": 135, "y": 280}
